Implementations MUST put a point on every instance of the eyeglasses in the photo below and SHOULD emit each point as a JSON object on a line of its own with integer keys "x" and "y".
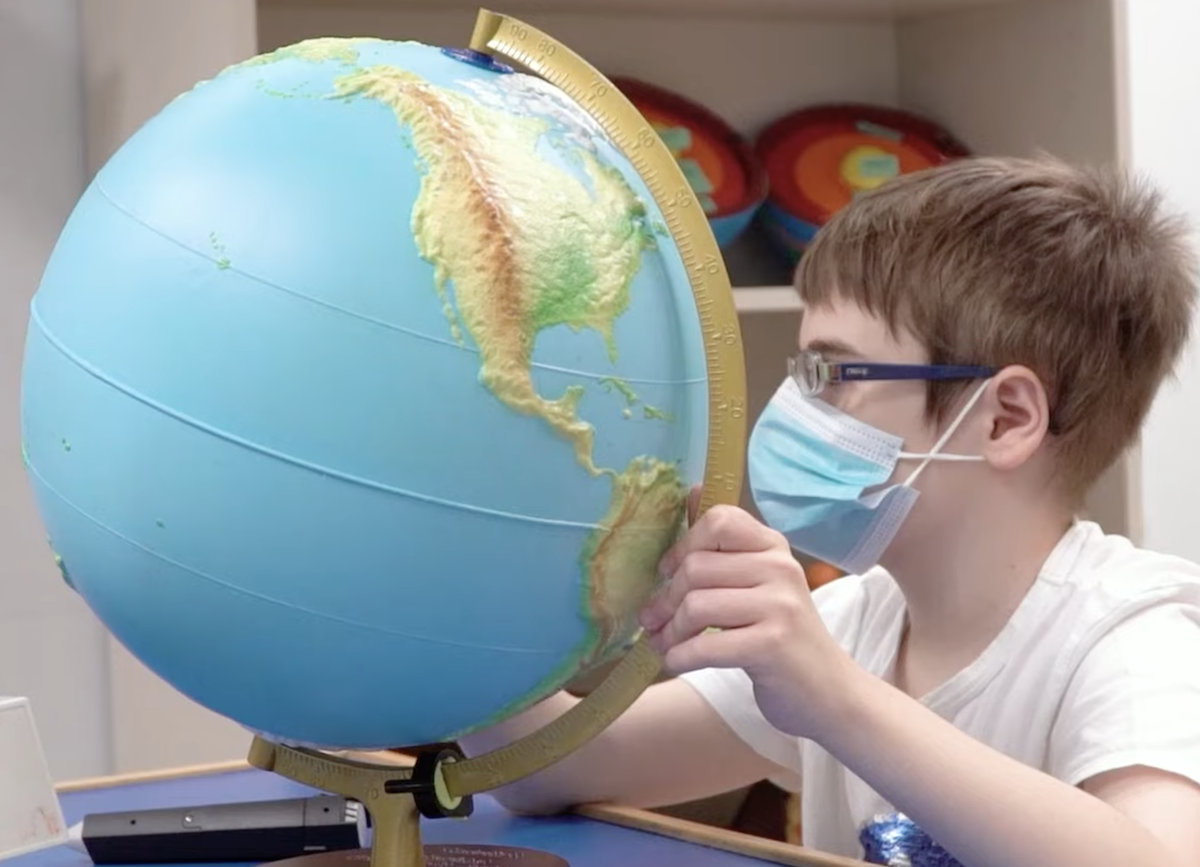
{"x": 812, "y": 373}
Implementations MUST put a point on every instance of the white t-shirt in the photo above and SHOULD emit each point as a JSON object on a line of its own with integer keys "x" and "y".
{"x": 1098, "y": 668}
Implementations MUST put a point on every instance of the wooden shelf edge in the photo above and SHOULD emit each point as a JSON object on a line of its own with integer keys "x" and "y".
{"x": 87, "y": 784}
{"x": 765, "y": 299}
{"x": 716, "y": 838}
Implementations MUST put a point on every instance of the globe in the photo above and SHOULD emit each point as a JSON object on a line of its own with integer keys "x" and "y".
{"x": 363, "y": 391}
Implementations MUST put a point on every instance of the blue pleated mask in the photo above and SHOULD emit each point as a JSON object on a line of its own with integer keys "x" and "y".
{"x": 817, "y": 473}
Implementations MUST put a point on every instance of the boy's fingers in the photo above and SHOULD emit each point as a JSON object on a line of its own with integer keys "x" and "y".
{"x": 701, "y": 570}
{"x": 721, "y": 528}
{"x": 711, "y": 608}
{"x": 725, "y": 649}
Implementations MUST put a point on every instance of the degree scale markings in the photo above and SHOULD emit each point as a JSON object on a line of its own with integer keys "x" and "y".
{"x": 347, "y": 777}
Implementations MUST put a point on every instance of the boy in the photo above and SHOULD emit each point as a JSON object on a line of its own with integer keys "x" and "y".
{"x": 979, "y": 342}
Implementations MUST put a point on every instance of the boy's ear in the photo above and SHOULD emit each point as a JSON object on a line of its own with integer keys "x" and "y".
{"x": 1020, "y": 417}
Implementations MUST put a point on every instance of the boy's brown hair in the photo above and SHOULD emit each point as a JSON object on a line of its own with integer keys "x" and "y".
{"x": 1077, "y": 274}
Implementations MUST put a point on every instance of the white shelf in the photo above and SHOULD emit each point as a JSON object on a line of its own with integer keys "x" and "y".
{"x": 765, "y": 299}
{"x": 879, "y": 9}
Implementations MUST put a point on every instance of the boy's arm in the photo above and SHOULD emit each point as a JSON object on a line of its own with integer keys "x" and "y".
{"x": 986, "y": 808}
{"x": 1132, "y": 702}
{"x": 669, "y": 747}
{"x": 992, "y": 811}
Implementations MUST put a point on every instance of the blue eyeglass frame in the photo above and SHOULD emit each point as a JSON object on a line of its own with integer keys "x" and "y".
{"x": 834, "y": 372}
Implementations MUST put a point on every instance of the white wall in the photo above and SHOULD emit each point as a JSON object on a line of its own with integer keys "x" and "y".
{"x": 51, "y": 648}
{"x": 139, "y": 54}
{"x": 1162, "y": 62}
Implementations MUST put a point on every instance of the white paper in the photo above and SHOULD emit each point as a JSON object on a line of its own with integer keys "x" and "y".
{"x": 30, "y": 815}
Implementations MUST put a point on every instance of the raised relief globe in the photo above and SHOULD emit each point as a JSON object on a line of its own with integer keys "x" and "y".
{"x": 363, "y": 391}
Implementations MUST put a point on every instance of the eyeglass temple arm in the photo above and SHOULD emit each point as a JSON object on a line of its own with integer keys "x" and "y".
{"x": 849, "y": 371}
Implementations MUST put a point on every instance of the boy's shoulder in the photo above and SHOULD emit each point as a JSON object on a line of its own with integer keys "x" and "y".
{"x": 1095, "y": 576}
{"x": 1107, "y": 576}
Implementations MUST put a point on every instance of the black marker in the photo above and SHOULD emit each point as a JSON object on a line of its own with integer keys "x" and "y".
{"x": 250, "y": 831}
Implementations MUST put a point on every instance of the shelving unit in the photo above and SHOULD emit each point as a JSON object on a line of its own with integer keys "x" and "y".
{"x": 1005, "y": 76}
{"x": 765, "y": 299}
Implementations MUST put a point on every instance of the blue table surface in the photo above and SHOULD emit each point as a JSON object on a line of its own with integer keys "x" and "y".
{"x": 582, "y": 842}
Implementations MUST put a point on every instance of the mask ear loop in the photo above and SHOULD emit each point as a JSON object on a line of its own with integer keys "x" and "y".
{"x": 933, "y": 455}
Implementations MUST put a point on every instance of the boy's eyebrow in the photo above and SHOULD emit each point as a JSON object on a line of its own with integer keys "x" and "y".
{"x": 832, "y": 347}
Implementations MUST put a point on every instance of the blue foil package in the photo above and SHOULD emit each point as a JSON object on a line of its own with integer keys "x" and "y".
{"x": 896, "y": 841}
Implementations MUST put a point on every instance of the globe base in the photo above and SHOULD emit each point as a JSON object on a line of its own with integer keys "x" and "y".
{"x": 441, "y": 782}
{"x": 395, "y": 797}
{"x": 438, "y": 855}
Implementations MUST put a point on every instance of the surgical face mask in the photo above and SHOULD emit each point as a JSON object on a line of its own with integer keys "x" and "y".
{"x": 811, "y": 467}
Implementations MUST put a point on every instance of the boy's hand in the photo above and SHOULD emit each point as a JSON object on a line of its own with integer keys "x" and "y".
{"x": 733, "y": 573}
